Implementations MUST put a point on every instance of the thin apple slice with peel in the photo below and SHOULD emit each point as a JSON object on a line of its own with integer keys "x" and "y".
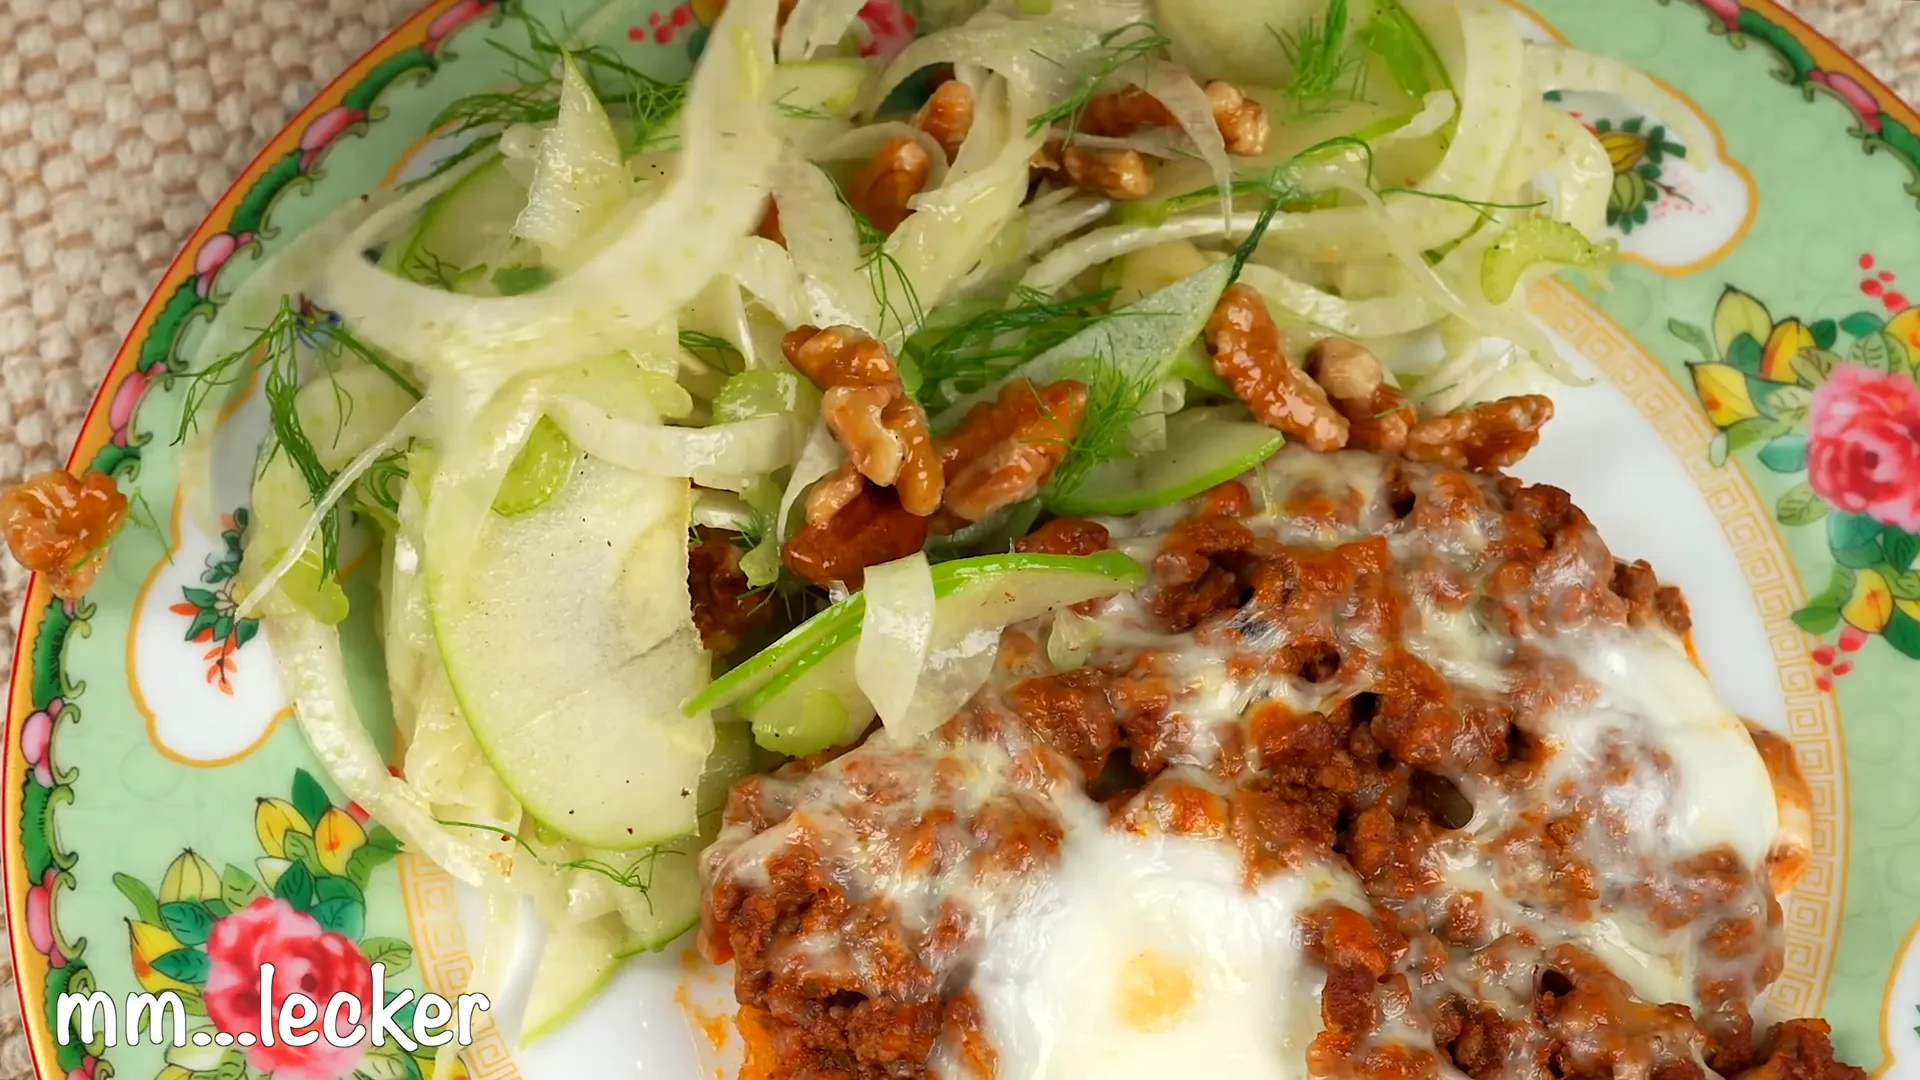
{"x": 577, "y": 962}
{"x": 658, "y": 903}
{"x": 814, "y": 701}
{"x": 764, "y": 666}
{"x": 1205, "y": 448}
{"x": 570, "y": 646}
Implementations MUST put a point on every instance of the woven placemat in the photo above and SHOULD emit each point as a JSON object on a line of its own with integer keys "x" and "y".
{"x": 121, "y": 121}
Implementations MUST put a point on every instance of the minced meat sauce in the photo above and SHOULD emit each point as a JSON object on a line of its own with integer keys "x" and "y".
{"x": 1390, "y": 770}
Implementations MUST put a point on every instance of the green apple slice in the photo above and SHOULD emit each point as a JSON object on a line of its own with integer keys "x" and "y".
{"x": 1141, "y": 342}
{"x": 1195, "y": 366}
{"x": 1205, "y": 447}
{"x": 569, "y": 647}
{"x": 764, "y": 666}
{"x": 814, "y": 701}
{"x": 469, "y": 226}
{"x": 670, "y": 904}
{"x": 577, "y": 962}
{"x": 830, "y": 87}
{"x": 540, "y": 470}
{"x": 581, "y": 957}
{"x": 815, "y": 98}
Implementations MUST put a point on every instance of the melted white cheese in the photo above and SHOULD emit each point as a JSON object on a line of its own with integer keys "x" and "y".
{"x": 1148, "y": 957}
{"x": 1718, "y": 791}
{"x": 1714, "y": 790}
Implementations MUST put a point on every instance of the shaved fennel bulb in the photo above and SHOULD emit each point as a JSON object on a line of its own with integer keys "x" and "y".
{"x": 894, "y": 635}
{"x": 1191, "y": 110}
{"x": 1376, "y": 317}
{"x": 580, "y": 179}
{"x": 1038, "y": 55}
{"x": 1100, "y": 16}
{"x": 1578, "y": 166}
{"x": 660, "y": 257}
{"x": 824, "y": 245}
{"x": 726, "y": 456}
{"x": 313, "y": 669}
{"x": 1492, "y": 97}
{"x": 955, "y": 225}
{"x": 820, "y": 455}
{"x": 814, "y": 25}
{"x": 767, "y": 274}
{"x": 1240, "y": 40}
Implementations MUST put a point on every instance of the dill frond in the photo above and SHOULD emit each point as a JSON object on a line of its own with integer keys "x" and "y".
{"x": 1365, "y": 149}
{"x": 276, "y": 351}
{"x": 1280, "y": 189}
{"x": 281, "y": 388}
{"x": 348, "y": 342}
{"x": 1479, "y": 205}
{"x": 985, "y": 348}
{"x": 797, "y": 112}
{"x": 1325, "y": 70}
{"x": 637, "y": 875}
{"x": 429, "y": 269}
{"x": 377, "y": 493}
{"x": 1114, "y": 397}
{"x": 140, "y": 513}
{"x": 716, "y": 352}
{"x": 880, "y": 265}
{"x": 1134, "y": 42}
{"x": 651, "y": 103}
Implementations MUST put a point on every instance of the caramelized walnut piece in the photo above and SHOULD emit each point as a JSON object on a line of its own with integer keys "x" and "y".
{"x": 58, "y": 525}
{"x": 1378, "y": 416}
{"x": 1489, "y": 435}
{"x": 1247, "y": 353}
{"x": 1124, "y": 112}
{"x": 894, "y": 174}
{"x": 947, "y": 116}
{"x": 869, "y": 412}
{"x": 1004, "y": 450}
{"x": 869, "y": 529}
{"x": 1241, "y": 120}
{"x": 725, "y": 606}
{"x": 898, "y": 170}
{"x": 1117, "y": 174}
{"x": 831, "y": 495}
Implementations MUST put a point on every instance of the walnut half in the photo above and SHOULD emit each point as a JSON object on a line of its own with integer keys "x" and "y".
{"x": 1248, "y": 354}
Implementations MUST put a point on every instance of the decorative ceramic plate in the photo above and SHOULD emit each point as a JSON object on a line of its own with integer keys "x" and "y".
{"x": 151, "y": 788}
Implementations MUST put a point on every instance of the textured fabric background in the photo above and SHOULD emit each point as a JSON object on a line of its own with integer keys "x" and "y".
{"x": 121, "y": 121}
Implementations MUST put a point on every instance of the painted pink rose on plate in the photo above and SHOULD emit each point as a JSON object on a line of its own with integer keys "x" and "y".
{"x": 40, "y": 919}
{"x": 453, "y": 19}
{"x": 306, "y": 960}
{"x": 1727, "y": 10}
{"x": 1863, "y": 450}
{"x": 324, "y": 129}
{"x": 36, "y": 741}
{"x": 1857, "y": 97}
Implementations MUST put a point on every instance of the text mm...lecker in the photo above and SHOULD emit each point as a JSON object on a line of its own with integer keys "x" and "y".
{"x": 161, "y": 1019}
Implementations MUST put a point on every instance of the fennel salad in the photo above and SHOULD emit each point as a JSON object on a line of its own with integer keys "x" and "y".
{"x": 692, "y": 425}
